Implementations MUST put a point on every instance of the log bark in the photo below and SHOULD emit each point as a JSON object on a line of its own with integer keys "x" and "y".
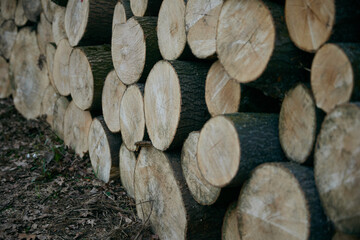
{"x": 201, "y": 19}
{"x": 89, "y": 22}
{"x": 341, "y": 236}
{"x": 5, "y": 85}
{"x": 254, "y": 100}
{"x": 280, "y": 201}
{"x": 62, "y": 3}
{"x": 44, "y": 33}
{"x": 8, "y": 8}
{"x": 134, "y": 49}
{"x": 230, "y": 229}
{"x": 171, "y": 31}
{"x": 60, "y": 107}
{"x": 174, "y": 102}
{"x": 163, "y": 198}
{"x": 337, "y": 166}
{"x": 76, "y": 129}
{"x": 61, "y": 67}
{"x": 48, "y": 103}
{"x": 232, "y": 145}
{"x": 335, "y": 75}
{"x": 32, "y": 9}
{"x": 49, "y": 8}
{"x": 88, "y": 69}
{"x": 50, "y": 54}
{"x": 132, "y": 116}
{"x": 112, "y": 94}
{"x": 58, "y": 25}
{"x": 299, "y": 124}
{"x": 8, "y": 32}
{"x": 312, "y": 23}
{"x": 122, "y": 12}
{"x": 104, "y": 149}
{"x": 254, "y": 47}
{"x": 142, "y": 8}
{"x": 30, "y": 76}
{"x": 20, "y": 18}
{"x": 127, "y": 162}
{"x": 200, "y": 189}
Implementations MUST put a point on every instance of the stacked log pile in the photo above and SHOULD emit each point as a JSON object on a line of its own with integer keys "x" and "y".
{"x": 231, "y": 119}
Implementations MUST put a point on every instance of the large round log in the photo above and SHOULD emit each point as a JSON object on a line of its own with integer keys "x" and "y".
{"x": 171, "y": 30}
{"x": 61, "y": 67}
{"x": 58, "y": 25}
{"x": 44, "y": 33}
{"x": 132, "y": 116}
{"x": 222, "y": 93}
{"x": 134, "y": 49}
{"x": 20, "y": 18}
{"x": 122, "y": 12}
{"x": 8, "y": 8}
{"x": 8, "y": 32}
{"x": 104, "y": 150}
{"x": 174, "y": 102}
{"x": 112, "y": 94}
{"x": 76, "y": 129}
{"x": 312, "y": 23}
{"x": 50, "y": 54}
{"x": 142, "y": 8}
{"x": 299, "y": 124}
{"x": 201, "y": 20}
{"x": 163, "y": 198}
{"x": 48, "y": 103}
{"x": 32, "y": 9}
{"x": 230, "y": 229}
{"x": 49, "y": 8}
{"x": 89, "y": 22}
{"x": 5, "y": 85}
{"x": 337, "y": 167}
{"x": 60, "y": 107}
{"x": 88, "y": 68}
{"x": 203, "y": 192}
{"x": 230, "y": 146}
{"x": 30, "y": 74}
{"x": 127, "y": 162}
{"x": 280, "y": 201}
{"x": 335, "y": 75}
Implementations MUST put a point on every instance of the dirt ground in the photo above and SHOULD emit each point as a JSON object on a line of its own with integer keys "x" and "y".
{"x": 46, "y": 192}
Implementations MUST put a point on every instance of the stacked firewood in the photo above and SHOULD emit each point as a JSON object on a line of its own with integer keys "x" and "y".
{"x": 228, "y": 119}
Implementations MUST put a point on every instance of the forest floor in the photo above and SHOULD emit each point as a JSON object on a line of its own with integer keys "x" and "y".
{"x": 47, "y": 192}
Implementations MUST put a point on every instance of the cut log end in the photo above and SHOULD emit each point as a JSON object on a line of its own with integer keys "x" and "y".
{"x": 8, "y": 8}
{"x": 61, "y": 67}
{"x": 245, "y": 32}
{"x": 310, "y": 23}
{"x": 58, "y": 25}
{"x": 50, "y": 54}
{"x": 119, "y": 14}
{"x": 222, "y": 93}
{"x": 47, "y": 106}
{"x": 44, "y": 33}
{"x": 132, "y": 117}
{"x": 200, "y": 189}
{"x": 48, "y": 7}
{"x": 8, "y": 32}
{"x": 60, "y": 107}
{"x": 332, "y": 77}
{"x": 230, "y": 229}
{"x": 127, "y": 162}
{"x": 20, "y": 18}
{"x": 297, "y": 124}
{"x": 76, "y": 19}
{"x": 337, "y": 166}
{"x": 5, "y": 85}
{"x": 138, "y": 7}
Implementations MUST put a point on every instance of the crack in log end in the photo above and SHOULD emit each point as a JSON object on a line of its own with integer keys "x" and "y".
{"x": 41, "y": 61}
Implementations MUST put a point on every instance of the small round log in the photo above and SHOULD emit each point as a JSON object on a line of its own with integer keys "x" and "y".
{"x": 61, "y": 67}
{"x": 163, "y": 198}
{"x": 142, "y": 8}
{"x": 44, "y": 33}
{"x": 89, "y": 22}
{"x": 104, "y": 149}
{"x": 60, "y": 107}
{"x": 122, "y": 12}
{"x": 112, "y": 94}
{"x": 49, "y": 8}
{"x": 174, "y": 102}
{"x": 337, "y": 167}
{"x": 201, "y": 19}
{"x": 8, "y": 32}
{"x": 8, "y": 8}
{"x": 62, "y": 3}
{"x": 88, "y": 69}
{"x": 200, "y": 189}
{"x": 50, "y": 54}
{"x": 171, "y": 31}
{"x": 134, "y": 49}
{"x": 5, "y": 85}
{"x": 127, "y": 162}
{"x": 76, "y": 129}
{"x": 335, "y": 75}
{"x": 280, "y": 201}
{"x": 48, "y": 103}
{"x": 231, "y": 146}
{"x": 222, "y": 93}
{"x": 30, "y": 76}
{"x": 132, "y": 116}
{"x": 58, "y": 25}
{"x": 299, "y": 123}
{"x": 20, "y": 18}
{"x": 230, "y": 229}
{"x": 32, "y": 9}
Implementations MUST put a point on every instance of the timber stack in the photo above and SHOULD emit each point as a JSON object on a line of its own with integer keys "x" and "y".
{"x": 236, "y": 119}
